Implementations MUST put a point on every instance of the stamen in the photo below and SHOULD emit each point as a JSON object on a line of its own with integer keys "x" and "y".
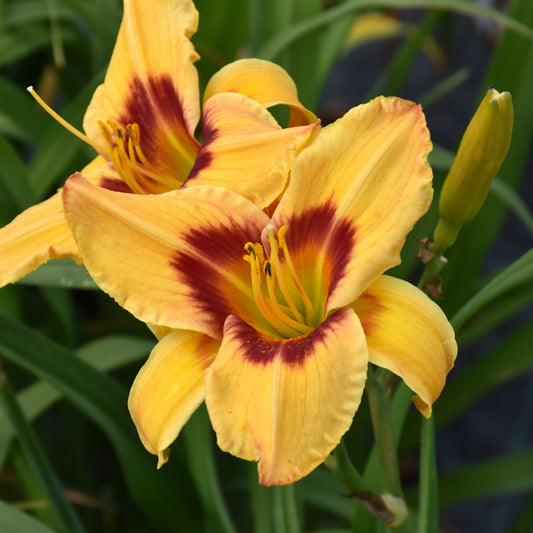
{"x": 279, "y": 309}
{"x": 129, "y": 162}
{"x": 309, "y": 308}
{"x": 274, "y": 319}
{"x": 280, "y": 278}
{"x": 275, "y": 291}
{"x": 135, "y": 138}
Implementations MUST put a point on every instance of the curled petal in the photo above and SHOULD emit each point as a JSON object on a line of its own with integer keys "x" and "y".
{"x": 172, "y": 259}
{"x": 408, "y": 334}
{"x": 169, "y": 388}
{"x": 264, "y": 82}
{"x": 151, "y": 81}
{"x": 244, "y": 148}
{"x": 286, "y": 403}
{"x": 355, "y": 192}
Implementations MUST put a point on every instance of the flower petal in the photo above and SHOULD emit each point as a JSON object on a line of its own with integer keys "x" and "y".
{"x": 355, "y": 193}
{"x": 408, "y": 334}
{"x": 286, "y": 403}
{"x": 263, "y": 81}
{"x": 173, "y": 259}
{"x": 36, "y": 235}
{"x": 41, "y": 233}
{"x": 151, "y": 81}
{"x": 244, "y": 148}
{"x": 169, "y": 388}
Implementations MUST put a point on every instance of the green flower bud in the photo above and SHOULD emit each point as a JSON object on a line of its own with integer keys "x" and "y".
{"x": 481, "y": 153}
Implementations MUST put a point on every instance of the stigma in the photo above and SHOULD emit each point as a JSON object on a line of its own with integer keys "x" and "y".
{"x": 278, "y": 291}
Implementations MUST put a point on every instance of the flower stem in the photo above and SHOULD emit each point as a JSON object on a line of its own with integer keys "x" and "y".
{"x": 382, "y": 423}
{"x": 339, "y": 463}
{"x": 387, "y": 507}
{"x": 286, "y": 509}
{"x": 428, "y": 495}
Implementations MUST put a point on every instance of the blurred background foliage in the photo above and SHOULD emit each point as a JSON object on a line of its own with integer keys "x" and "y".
{"x": 71, "y": 460}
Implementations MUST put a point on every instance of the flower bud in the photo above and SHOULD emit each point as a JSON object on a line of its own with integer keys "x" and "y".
{"x": 482, "y": 150}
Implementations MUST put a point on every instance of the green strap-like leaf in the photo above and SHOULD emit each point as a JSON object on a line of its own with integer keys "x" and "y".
{"x": 504, "y": 475}
{"x": 281, "y": 41}
{"x": 103, "y": 354}
{"x": 37, "y": 458}
{"x": 14, "y": 521}
{"x": 104, "y": 402}
{"x": 521, "y": 271}
{"x": 63, "y": 273}
{"x": 511, "y": 199}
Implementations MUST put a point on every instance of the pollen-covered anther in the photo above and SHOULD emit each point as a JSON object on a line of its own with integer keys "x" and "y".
{"x": 125, "y": 153}
{"x": 278, "y": 292}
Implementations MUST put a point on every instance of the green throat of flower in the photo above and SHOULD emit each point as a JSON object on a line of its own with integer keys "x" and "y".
{"x": 278, "y": 291}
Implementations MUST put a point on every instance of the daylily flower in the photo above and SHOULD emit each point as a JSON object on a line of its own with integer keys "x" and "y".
{"x": 142, "y": 122}
{"x": 275, "y": 319}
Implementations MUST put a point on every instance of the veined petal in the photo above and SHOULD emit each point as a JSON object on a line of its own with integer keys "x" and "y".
{"x": 286, "y": 403}
{"x": 265, "y": 82}
{"x": 174, "y": 259}
{"x": 169, "y": 388}
{"x": 244, "y": 148}
{"x": 355, "y": 192}
{"x": 408, "y": 334}
{"x": 36, "y": 235}
{"x": 151, "y": 81}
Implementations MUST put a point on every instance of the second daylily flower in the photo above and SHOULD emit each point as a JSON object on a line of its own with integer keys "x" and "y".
{"x": 275, "y": 319}
{"x": 142, "y": 121}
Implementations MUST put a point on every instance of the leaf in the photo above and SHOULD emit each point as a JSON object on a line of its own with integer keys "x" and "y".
{"x": 103, "y": 354}
{"x": 62, "y": 273}
{"x": 509, "y": 359}
{"x": 56, "y": 153}
{"x": 496, "y": 477}
{"x": 14, "y": 521}
{"x": 104, "y": 401}
{"x": 521, "y": 271}
{"x": 271, "y": 49}
{"x": 510, "y": 198}
{"x": 22, "y": 109}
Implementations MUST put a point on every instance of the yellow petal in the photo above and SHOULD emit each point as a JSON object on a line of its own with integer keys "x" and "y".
{"x": 286, "y": 403}
{"x": 172, "y": 259}
{"x": 356, "y": 191}
{"x": 169, "y": 388}
{"x": 36, "y": 235}
{"x": 244, "y": 148}
{"x": 104, "y": 175}
{"x": 152, "y": 81}
{"x": 159, "y": 331}
{"x": 408, "y": 334}
{"x": 263, "y": 81}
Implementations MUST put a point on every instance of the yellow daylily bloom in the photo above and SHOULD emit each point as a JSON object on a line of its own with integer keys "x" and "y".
{"x": 142, "y": 122}
{"x": 275, "y": 319}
